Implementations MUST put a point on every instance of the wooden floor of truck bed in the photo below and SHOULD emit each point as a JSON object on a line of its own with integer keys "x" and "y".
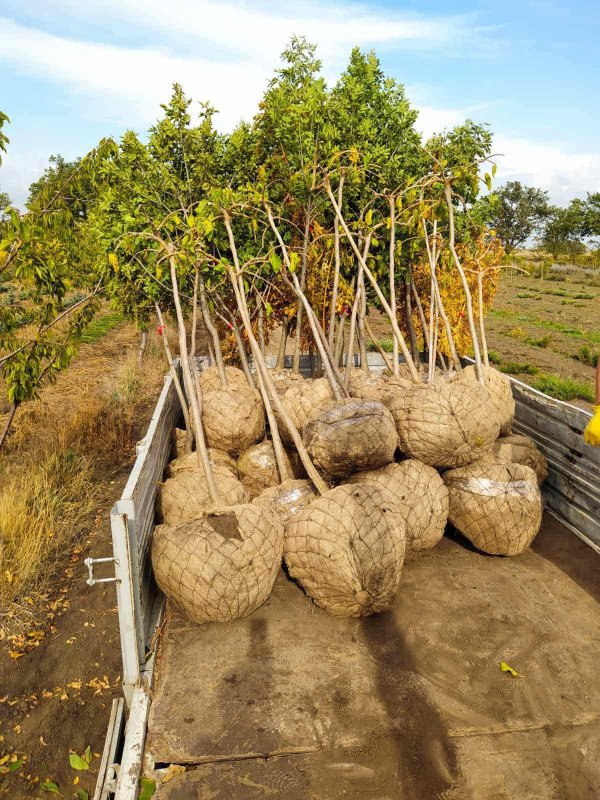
{"x": 291, "y": 703}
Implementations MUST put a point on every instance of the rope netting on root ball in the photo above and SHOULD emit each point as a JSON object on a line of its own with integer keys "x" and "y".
{"x": 497, "y": 507}
{"x": 209, "y": 378}
{"x": 185, "y": 495}
{"x": 288, "y": 499}
{"x": 516, "y": 449}
{"x": 233, "y": 418}
{"x": 350, "y": 434}
{"x": 422, "y": 498}
{"x": 498, "y": 386}
{"x": 366, "y": 385}
{"x": 222, "y": 565}
{"x": 347, "y": 550}
{"x": 303, "y": 400}
{"x": 443, "y": 423}
{"x": 257, "y": 467}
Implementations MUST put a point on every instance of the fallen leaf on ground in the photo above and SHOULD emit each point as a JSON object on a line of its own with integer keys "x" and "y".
{"x": 506, "y": 668}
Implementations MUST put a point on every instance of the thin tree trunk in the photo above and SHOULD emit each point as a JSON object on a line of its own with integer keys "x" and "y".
{"x": 213, "y": 334}
{"x": 237, "y": 284}
{"x": 298, "y": 342}
{"x": 142, "y": 347}
{"x": 397, "y": 332}
{"x": 339, "y": 342}
{"x": 362, "y": 314}
{"x": 285, "y": 324}
{"x": 351, "y": 336}
{"x": 260, "y": 324}
{"x": 484, "y": 347}
{"x": 242, "y": 354}
{"x": 463, "y": 278}
{"x": 194, "y": 330}
{"x": 412, "y": 336}
{"x": 191, "y": 386}
{"x": 395, "y": 353}
{"x": 177, "y": 383}
{"x": 8, "y": 424}
{"x": 336, "y": 274}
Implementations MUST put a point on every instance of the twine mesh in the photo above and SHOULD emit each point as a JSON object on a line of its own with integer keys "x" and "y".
{"x": 257, "y": 467}
{"x": 498, "y": 386}
{"x": 444, "y": 424}
{"x": 350, "y": 435}
{"x": 185, "y": 496}
{"x": 178, "y": 442}
{"x": 287, "y": 500}
{"x": 347, "y": 549}
{"x": 366, "y": 385}
{"x": 283, "y": 379}
{"x": 303, "y": 400}
{"x": 421, "y": 495}
{"x": 233, "y": 418}
{"x": 191, "y": 461}
{"x": 209, "y": 379}
{"x": 497, "y": 507}
{"x": 516, "y": 449}
{"x": 221, "y": 566}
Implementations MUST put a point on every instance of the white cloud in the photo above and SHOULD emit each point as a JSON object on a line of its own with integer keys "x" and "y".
{"x": 548, "y": 165}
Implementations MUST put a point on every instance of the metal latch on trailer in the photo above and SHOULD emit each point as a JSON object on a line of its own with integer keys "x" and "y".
{"x": 92, "y": 580}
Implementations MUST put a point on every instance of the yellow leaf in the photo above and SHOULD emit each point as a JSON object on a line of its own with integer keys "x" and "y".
{"x": 506, "y": 668}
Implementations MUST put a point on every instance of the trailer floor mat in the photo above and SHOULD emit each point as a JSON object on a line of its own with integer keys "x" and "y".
{"x": 291, "y": 703}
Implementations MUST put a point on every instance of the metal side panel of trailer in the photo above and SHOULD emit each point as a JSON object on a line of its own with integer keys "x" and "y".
{"x": 572, "y": 495}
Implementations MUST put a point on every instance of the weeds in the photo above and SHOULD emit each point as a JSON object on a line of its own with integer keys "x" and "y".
{"x": 564, "y": 388}
{"x": 99, "y": 327}
{"x": 386, "y": 344}
{"x": 494, "y": 357}
{"x": 586, "y": 356}
{"x": 516, "y": 368}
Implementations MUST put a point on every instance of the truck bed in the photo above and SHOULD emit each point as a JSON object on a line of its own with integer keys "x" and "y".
{"x": 292, "y": 703}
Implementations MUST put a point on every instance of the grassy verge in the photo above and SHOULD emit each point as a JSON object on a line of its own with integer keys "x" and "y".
{"x": 590, "y": 336}
{"x": 564, "y": 388}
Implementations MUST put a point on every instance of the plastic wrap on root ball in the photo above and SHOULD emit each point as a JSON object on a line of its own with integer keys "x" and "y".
{"x": 209, "y": 379}
{"x": 303, "y": 401}
{"x": 257, "y": 467}
{"x": 498, "y": 386}
{"x": 347, "y": 550}
{"x": 497, "y": 507}
{"x": 233, "y": 418}
{"x": 421, "y": 496}
{"x": 350, "y": 435}
{"x": 444, "y": 424}
{"x": 366, "y": 385}
{"x": 221, "y": 566}
{"x": 185, "y": 495}
{"x": 288, "y": 500}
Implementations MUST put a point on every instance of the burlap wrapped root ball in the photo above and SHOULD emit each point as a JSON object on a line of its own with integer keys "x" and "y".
{"x": 283, "y": 379}
{"x": 191, "y": 461}
{"x": 185, "y": 496}
{"x": 421, "y": 495}
{"x": 233, "y": 418}
{"x": 303, "y": 400}
{"x": 444, "y": 424}
{"x": 179, "y": 442}
{"x": 222, "y": 565}
{"x": 209, "y": 379}
{"x": 516, "y": 449}
{"x": 497, "y": 507}
{"x": 347, "y": 550}
{"x": 498, "y": 386}
{"x": 366, "y": 385}
{"x": 257, "y": 467}
{"x": 350, "y": 435}
{"x": 288, "y": 500}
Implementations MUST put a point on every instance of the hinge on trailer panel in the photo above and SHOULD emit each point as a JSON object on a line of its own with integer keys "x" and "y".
{"x": 91, "y": 580}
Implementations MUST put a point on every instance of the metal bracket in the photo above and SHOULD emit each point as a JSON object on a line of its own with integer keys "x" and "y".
{"x": 91, "y": 580}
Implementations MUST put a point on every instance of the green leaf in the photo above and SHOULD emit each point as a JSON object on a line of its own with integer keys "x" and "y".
{"x": 87, "y": 756}
{"x": 275, "y": 262}
{"x": 77, "y": 762}
{"x": 294, "y": 261}
{"x": 268, "y": 308}
{"x": 81, "y": 794}
{"x": 50, "y": 786}
{"x": 488, "y": 181}
{"x": 506, "y": 668}
{"x": 494, "y": 168}
{"x": 147, "y": 788}
{"x": 15, "y": 765}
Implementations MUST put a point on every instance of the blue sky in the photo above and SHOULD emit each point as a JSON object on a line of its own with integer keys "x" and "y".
{"x": 72, "y": 71}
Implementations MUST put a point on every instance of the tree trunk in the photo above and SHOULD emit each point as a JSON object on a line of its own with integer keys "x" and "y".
{"x": 412, "y": 336}
{"x": 142, "y": 347}
{"x": 180, "y": 394}
{"x": 8, "y": 424}
{"x": 213, "y": 334}
{"x": 285, "y": 324}
{"x": 395, "y": 353}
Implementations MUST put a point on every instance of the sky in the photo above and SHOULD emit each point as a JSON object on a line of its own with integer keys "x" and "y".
{"x": 73, "y": 71}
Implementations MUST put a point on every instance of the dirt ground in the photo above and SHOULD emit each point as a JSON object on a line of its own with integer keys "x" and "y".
{"x": 55, "y": 698}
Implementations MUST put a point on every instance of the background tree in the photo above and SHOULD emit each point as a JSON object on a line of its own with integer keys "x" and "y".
{"x": 564, "y": 230}
{"x": 515, "y": 212}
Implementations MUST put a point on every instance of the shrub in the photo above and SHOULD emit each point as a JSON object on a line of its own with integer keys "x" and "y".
{"x": 386, "y": 344}
{"x": 586, "y": 356}
{"x": 494, "y": 357}
{"x": 516, "y": 368}
{"x": 564, "y": 388}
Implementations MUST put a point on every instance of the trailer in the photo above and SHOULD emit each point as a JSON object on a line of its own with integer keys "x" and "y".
{"x": 482, "y": 682}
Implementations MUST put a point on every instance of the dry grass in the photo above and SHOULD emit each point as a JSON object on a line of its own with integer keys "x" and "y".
{"x": 65, "y": 449}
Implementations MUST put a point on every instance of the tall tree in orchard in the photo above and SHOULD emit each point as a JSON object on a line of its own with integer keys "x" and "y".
{"x": 515, "y": 212}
